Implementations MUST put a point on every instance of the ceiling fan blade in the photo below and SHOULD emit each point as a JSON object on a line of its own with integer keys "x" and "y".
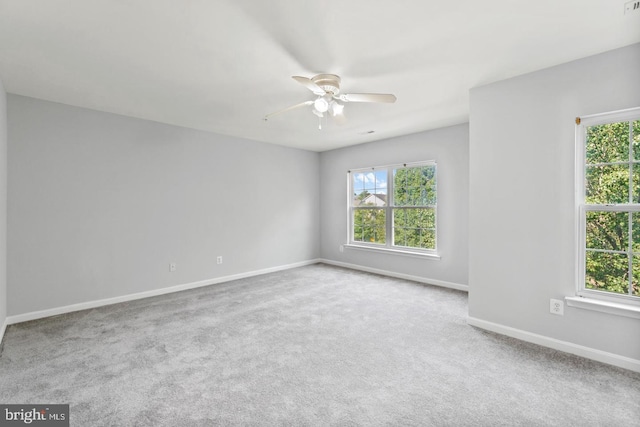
{"x": 309, "y": 84}
{"x": 368, "y": 97}
{"x": 293, "y": 107}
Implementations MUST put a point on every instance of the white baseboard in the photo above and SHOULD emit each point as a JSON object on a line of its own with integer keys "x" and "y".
{"x": 441, "y": 283}
{"x": 25, "y": 317}
{"x": 567, "y": 347}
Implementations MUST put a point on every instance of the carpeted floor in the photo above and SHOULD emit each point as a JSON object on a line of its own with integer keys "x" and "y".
{"x": 311, "y": 346}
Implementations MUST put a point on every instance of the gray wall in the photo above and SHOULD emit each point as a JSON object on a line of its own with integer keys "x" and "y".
{"x": 522, "y": 214}
{"x": 100, "y": 204}
{"x": 3, "y": 205}
{"x": 449, "y": 148}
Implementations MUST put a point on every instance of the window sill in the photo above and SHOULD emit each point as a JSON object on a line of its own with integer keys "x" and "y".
{"x": 424, "y": 255}
{"x": 604, "y": 306}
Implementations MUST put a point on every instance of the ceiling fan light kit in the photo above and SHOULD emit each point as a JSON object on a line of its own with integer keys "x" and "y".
{"x": 327, "y": 89}
{"x": 321, "y": 104}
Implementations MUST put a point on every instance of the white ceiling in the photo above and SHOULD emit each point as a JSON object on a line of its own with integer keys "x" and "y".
{"x": 221, "y": 65}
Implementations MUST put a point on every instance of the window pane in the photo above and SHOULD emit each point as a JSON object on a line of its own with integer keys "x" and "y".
{"x": 370, "y": 188}
{"x": 400, "y": 237}
{"x": 608, "y": 230}
{"x": 414, "y": 227}
{"x": 414, "y": 238}
{"x": 369, "y": 225}
{"x": 400, "y": 218}
{"x": 428, "y": 239}
{"x": 373, "y": 234}
{"x": 369, "y": 199}
{"x": 358, "y": 233}
{"x": 422, "y": 218}
{"x": 406, "y": 236}
{"x": 414, "y": 218}
{"x": 607, "y": 184}
{"x": 636, "y": 276}
{"x": 636, "y": 140}
{"x": 636, "y": 232}
{"x": 415, "y": 186}
{"x": 608, "y": 143}
{"x": 635, "y": 197}
{"x": 607, "y": 272}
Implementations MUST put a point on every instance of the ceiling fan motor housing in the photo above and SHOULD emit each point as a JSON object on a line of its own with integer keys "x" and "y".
{"x": 330, "y": 83}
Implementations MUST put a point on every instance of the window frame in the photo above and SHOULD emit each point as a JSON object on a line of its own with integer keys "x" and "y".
{"x": 582, "y": 208}
{"x": 389, "y": 207}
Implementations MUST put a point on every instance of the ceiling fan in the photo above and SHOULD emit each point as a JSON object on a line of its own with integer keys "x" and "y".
{"x": 329, "y": 100}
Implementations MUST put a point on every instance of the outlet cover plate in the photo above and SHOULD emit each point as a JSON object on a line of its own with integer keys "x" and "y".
{"x": 632, "y": 6}
{"x": 556, "y": 306}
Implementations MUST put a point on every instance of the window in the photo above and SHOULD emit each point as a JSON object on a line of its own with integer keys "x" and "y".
{"x": 394, "y": 207}
{"x": 608, "y": 182}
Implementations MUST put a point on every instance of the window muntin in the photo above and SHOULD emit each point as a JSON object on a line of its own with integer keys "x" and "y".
{"x": 609, "y": 206}
{"x": 397, "y": 201}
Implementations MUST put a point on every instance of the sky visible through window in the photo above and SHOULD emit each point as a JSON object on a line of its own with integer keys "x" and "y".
{"x": 374, "y": 182}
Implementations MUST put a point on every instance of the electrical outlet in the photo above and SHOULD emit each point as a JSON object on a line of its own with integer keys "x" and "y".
{"x": 172, "y": 267}
{"x": 341, "y": 248}
{"x": 556, "y": 306}
{"x": 631, "y": 6}
{"x": 219, "y": 260}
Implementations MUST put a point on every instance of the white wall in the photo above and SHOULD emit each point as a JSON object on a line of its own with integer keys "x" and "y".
{"x": 449, "y": 148}
{"x": 3, "y": 208}
{"x": 100, "y": 204}
{"x": 522, "y": 221}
